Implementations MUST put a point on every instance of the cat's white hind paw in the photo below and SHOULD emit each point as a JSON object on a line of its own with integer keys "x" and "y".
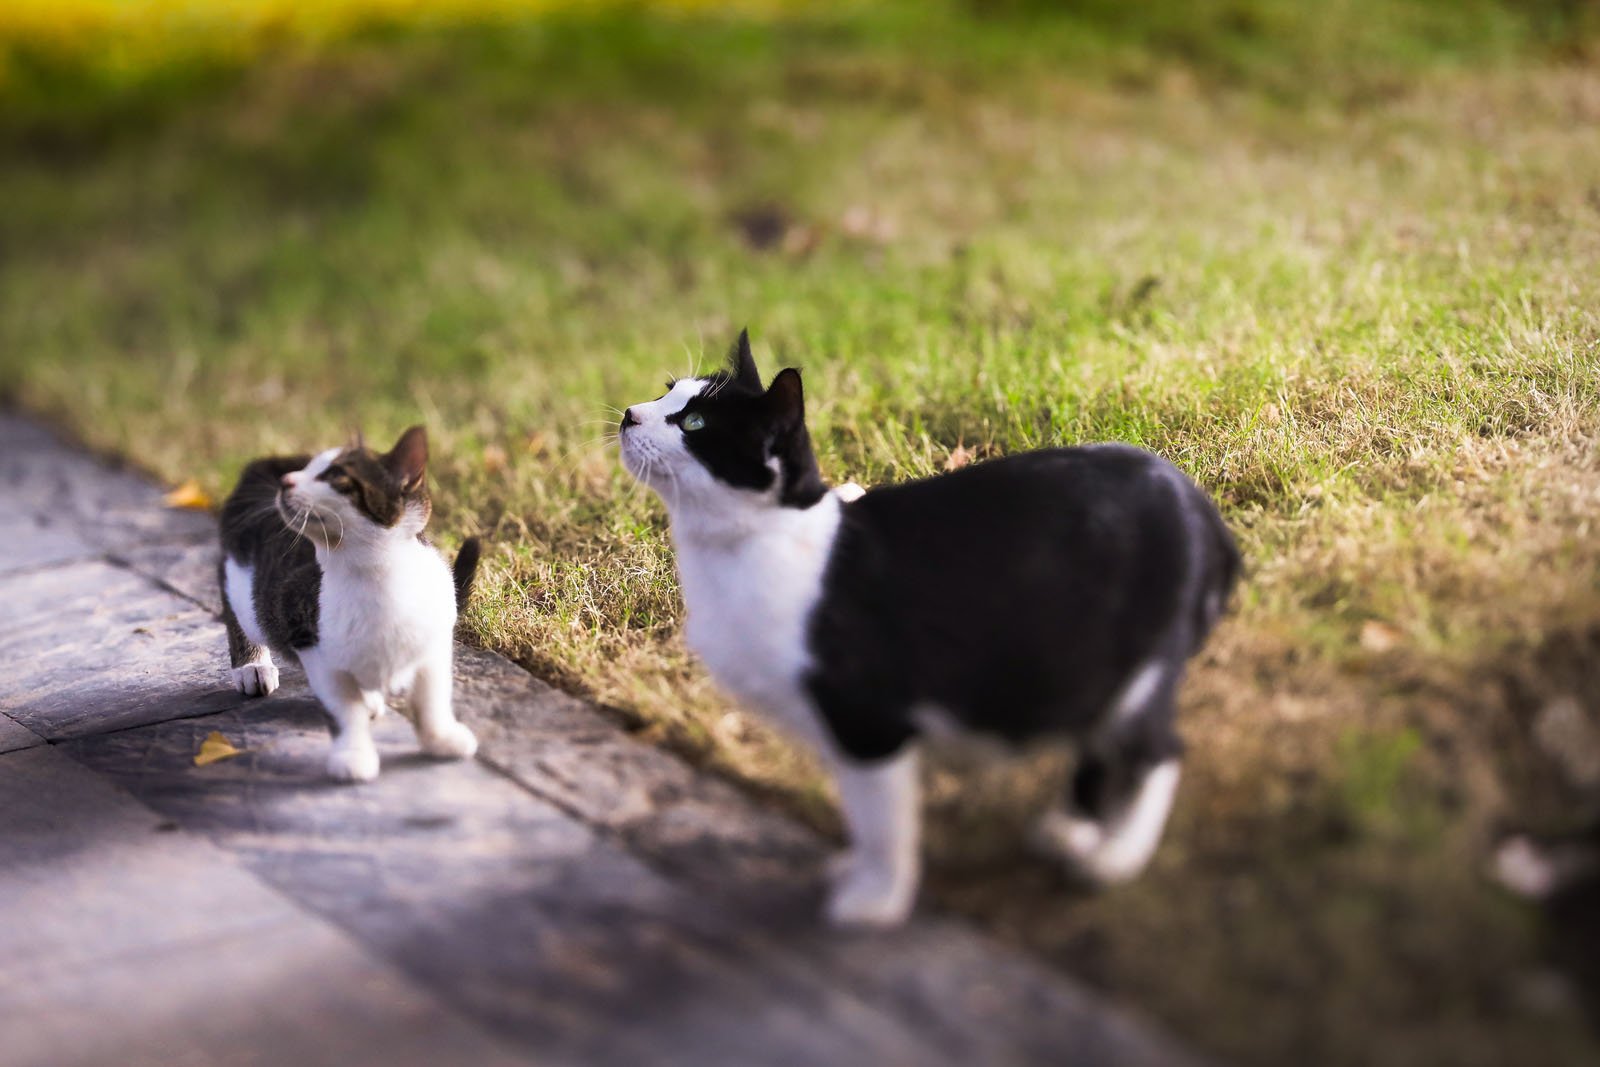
{"x": 1106, "y": 853}
{"x": 1079, "y": 845}
{"x": 869, "y": 895}
{"x": 456, "y": 741}
{"x": 351, "y": 764}
{"x": 256, "y": 679}
{"x": 1091, "y": 855}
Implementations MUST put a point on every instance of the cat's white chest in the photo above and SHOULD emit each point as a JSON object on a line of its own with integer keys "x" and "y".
{"x": 750, "y": 600}
{"x": 378, "y": 621}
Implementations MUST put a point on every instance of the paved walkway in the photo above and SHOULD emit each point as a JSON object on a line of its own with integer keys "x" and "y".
{"x": 571, "y": 896}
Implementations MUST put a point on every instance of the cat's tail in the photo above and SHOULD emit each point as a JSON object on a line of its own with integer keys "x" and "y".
{"x": 466, "y": 569}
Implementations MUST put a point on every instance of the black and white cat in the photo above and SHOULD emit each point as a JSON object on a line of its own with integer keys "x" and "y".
{"x": 323, "y": 558}
{"x": 1058, "y": 592}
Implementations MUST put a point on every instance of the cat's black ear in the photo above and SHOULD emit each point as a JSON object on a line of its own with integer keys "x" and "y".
{"x": 408, "y": 459}
{"x": 786, "y": 400}
{"x": 743, "y": 363}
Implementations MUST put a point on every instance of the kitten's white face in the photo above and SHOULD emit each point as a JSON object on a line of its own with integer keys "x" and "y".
{"x": 312, "y": 507}
{"x": 323, "y": 502}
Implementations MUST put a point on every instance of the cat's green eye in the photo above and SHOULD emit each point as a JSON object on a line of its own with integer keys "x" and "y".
{"x": 694, "y": 421}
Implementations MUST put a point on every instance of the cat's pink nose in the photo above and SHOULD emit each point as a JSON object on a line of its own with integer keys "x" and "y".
{"x": 288, "y": 481}
{"x": 629, "y": 419}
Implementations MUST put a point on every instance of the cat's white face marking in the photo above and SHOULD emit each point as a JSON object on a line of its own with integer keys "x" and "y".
{"x": 653, "y": 450}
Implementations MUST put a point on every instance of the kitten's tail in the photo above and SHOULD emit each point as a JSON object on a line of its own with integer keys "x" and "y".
{"x": 466, "y": 569}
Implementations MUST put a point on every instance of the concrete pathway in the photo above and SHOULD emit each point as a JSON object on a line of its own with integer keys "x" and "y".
{"x": 571, "y": 896}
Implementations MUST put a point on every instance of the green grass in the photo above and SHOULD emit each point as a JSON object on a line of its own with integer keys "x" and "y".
{"x": 1341, "y": 262}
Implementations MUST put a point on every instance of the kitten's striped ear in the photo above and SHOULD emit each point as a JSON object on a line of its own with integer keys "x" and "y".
{"x": 358, "y": 440}
{"x": 408, "y": 459}
{"x": 743, "y": 364}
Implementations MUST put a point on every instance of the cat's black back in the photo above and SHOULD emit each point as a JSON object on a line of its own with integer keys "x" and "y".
{"x": 1017, "y": 596}
{"x": 288, "y": 580}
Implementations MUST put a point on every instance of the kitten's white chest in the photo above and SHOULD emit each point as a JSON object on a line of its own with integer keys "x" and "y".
{"x": 380, "y": 619}
{"x": 750, "y": 599}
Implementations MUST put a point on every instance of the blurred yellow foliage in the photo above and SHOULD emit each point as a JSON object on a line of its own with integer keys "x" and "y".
{"x": 65, "y": 20}
{"x": 137, "y": 34}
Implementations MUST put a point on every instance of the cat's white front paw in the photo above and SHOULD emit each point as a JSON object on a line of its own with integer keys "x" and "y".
{"x": 869, "y": 894}
{"x": 456, "y": 741}
{"x": 348, "y": 763}
{"x": 256, "y": 679}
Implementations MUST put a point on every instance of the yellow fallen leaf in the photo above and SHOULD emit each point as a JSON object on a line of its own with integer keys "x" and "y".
{"x": 494, "y": 459}
{"x": 215, "y": 747}
{"x": 188, "y": 495}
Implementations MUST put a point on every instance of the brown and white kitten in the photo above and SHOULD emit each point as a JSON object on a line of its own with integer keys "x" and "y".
{"x": 324, "y": 559}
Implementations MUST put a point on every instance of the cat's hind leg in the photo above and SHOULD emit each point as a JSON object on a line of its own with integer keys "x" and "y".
{"x": 439, "y": 732}
{"x": 253, "y": 672}
{"x": 353, "y": 756}
{"x": 1121, "y": 793}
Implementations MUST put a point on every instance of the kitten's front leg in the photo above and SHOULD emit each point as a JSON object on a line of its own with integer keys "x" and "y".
{"x": 254, "y": 673}
{"x": 438, "y": 731}
{"x": 875, "y": 884}
{"x": 354, "y": 756}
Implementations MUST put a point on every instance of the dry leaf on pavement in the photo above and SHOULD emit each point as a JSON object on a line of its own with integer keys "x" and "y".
{"x": 215, "y": 747}
{"x": 188, "y": 495}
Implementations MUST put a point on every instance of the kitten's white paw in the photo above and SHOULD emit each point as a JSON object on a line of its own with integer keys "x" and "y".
{"x": 869, "y": 895}
{"x": 457, "y": 741}
{"x": 256, "y": 679}
{"x": 351, "y": 764}
{"x": 850, "y": 491}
